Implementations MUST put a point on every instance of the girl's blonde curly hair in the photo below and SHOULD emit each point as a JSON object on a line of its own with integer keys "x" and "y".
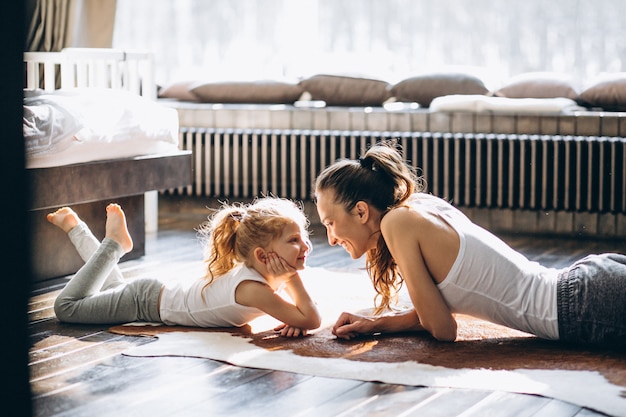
{"x": 233, "y": 231}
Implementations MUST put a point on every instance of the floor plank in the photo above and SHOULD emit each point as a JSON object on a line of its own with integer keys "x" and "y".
{"x": 393, "y": 402}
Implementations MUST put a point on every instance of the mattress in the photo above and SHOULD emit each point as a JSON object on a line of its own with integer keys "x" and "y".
{"x": 70, "y": 126}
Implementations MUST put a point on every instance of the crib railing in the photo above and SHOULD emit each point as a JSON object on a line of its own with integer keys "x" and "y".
{"x": 93, "y": 68}
{"x": 534, "y": 172}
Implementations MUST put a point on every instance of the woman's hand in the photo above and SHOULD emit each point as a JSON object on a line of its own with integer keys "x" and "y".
{"x": 350, "y": 325}
{"x": 288, "y": 331}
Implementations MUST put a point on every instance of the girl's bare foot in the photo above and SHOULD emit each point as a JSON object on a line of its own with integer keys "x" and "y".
{"x": 65, "y": 218}
{"x": 116, "y": 227}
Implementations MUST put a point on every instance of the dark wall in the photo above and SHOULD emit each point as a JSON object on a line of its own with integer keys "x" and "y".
{"x": 16, "y": 277}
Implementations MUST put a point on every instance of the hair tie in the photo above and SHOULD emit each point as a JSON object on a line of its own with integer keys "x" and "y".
{"x": 238, "y": 216}
{"x": 366, "y": 162}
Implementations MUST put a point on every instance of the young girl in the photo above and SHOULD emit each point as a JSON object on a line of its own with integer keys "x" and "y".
{"x": 376, "y": 205}
{"x": 252, "y": 252}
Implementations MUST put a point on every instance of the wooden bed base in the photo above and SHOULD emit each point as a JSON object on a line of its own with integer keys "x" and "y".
{"x": 52, "y": 253}
{"x": 88, "y": 188}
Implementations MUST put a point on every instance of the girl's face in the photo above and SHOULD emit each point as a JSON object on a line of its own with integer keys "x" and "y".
{"x": 342, "y": 227}
{"x": 290, "y": 246}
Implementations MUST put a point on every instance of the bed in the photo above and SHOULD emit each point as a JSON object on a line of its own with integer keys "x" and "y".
{"x": 93, "y": 134}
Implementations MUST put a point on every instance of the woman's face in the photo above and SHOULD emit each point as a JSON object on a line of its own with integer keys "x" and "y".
{"x": 347, "y": 229}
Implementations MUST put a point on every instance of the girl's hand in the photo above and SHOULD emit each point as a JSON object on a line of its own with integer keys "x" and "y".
{"x": 278, "y": 268}
{"x": 289, "y": 331}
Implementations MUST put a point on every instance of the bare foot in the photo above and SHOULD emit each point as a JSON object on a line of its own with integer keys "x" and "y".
{"x": 116, "y": 227}
{"x": 65, "y": 218}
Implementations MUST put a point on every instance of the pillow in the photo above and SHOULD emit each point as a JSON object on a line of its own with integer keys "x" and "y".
{"x": 340, "y": 90}
{"x": 608, "y": 92}
{"x": 423, "y": 89}
{"x": 488, "y": 104}
{"x": 538, "y": 85}
{"x": 179, "y": 90}
{"x": 47, "y": 121}
{"x": 252, "y": 92}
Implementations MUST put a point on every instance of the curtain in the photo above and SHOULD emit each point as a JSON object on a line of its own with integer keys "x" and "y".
{"x": 57, "y": 24}
{"x": 94, "y": 25}
{"x": 49, "y": 29}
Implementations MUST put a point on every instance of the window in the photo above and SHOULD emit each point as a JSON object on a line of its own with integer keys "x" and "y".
{"x": 385, "y": 39}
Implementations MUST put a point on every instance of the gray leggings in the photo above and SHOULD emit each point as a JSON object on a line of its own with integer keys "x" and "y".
{"x": 98, "y": 293}
{"x": 591, "y": 296}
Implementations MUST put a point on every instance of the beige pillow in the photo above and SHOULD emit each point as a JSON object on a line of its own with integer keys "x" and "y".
{"x": 423, "y": 89}
{"x": 252, "y": 92}
{"x": 340, "y": 90}
{"x": 179, "y": 90}
{"x": 538, "y": 85}
{"x": 608, "y": 92}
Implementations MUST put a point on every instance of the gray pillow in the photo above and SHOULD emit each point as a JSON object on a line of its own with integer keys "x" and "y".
{"x": 609, "y": 93}
{"x": 422, "y": 89}
{"x": 538, "y": 85}
{"x": 340, "y": 90}
{"x": 179, "y": 90}
{"x": 250, "y": 92}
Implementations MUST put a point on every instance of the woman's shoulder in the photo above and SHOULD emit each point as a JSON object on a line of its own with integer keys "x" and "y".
{"x": 420, "y": 211}
{"x": 425, "y": 199}
{"x": 403, "y": 217}
{"x": 418, "y": 203}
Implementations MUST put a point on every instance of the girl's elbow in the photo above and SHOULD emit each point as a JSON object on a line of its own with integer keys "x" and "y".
{"x": 314, "y": 322}
{"x": 305, "y": 323}
{"x": 313, "y": 319}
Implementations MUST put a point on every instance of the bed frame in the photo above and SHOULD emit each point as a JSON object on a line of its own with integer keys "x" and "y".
{"x": 89, "y": 187}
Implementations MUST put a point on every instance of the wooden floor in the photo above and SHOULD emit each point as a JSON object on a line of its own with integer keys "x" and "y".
{"x": 78, "y": 370}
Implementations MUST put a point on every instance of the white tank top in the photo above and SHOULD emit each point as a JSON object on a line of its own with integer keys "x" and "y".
{"x": 491, "y": 281}
{"x": 215, "y": 306}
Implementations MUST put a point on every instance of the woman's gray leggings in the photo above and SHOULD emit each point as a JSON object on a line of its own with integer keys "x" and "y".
{"x": 591, "y": 297}
{"x": 98, "y": 293}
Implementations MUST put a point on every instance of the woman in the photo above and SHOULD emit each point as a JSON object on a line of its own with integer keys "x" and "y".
{"x": 376, "y": 206}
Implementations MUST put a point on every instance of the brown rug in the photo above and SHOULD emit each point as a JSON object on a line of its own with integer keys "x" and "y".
{"x": 481, "y": 346}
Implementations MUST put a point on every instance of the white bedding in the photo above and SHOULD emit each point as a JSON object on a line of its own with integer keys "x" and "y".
{"x": 486, "y": 104}
{"x": 82, "y": 125}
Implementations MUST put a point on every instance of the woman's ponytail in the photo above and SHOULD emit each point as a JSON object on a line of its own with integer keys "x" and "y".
{"x": 386, "y": 159}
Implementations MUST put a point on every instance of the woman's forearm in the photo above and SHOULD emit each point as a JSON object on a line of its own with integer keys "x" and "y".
{"x": 406, "y": 321}
{"x": 351, "y": 325}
